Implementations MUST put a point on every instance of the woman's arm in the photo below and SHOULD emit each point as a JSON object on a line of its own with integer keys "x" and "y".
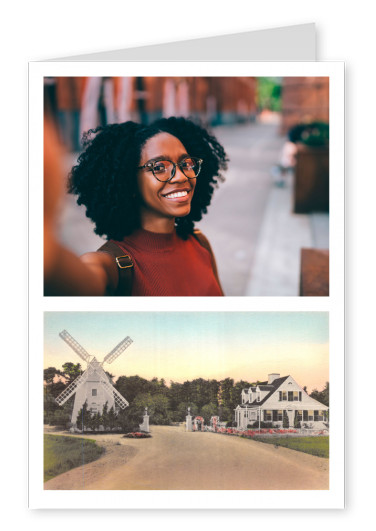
{"x": 64, "y": 272}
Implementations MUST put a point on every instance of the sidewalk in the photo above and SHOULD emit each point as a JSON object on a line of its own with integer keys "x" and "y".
{"x": 276, "y": 266}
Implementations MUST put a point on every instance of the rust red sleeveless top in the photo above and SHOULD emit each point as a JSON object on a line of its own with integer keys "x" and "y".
{"x": 166, "y": 265}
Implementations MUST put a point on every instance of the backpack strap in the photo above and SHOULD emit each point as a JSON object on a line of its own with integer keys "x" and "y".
{"x": 204, "y": 242}
{"x": 125, "y": 267}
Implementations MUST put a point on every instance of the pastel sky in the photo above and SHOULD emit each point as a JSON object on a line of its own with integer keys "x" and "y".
{"x": 181, "y": 346}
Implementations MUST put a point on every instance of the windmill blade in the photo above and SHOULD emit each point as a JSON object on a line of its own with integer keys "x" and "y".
{"x": 74, "y": 345}
{"x": 71, "y": 389}
{"x": 119, "y": 399}
{"x": 115, "y": 352}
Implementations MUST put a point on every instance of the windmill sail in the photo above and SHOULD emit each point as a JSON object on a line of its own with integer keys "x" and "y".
{"x": 119, "y": 399}
{"x": 74, "y": 345}
{"x": 115, "y": 352}
{"x": 71, "y": 389}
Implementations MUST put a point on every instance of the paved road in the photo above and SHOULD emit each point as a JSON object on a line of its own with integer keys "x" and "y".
{"x": 174, "y": 459}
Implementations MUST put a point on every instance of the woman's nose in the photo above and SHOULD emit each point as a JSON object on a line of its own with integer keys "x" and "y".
{"x": 178, "y": 176}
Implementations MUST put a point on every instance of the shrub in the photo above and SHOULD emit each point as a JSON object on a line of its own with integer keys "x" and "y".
{"x": 137, "y": 435}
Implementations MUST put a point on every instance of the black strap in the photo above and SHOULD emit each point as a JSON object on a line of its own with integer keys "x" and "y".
{"x": 125, "y": 267}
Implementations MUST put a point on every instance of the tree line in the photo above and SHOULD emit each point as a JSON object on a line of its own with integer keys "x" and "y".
{"x": 167, "y": 404}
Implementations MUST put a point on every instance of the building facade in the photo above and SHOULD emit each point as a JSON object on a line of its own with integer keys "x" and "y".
{"x": 283, "y": 403}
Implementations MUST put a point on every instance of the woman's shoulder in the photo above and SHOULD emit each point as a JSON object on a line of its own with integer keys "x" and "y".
{"x": 202, "y": 239}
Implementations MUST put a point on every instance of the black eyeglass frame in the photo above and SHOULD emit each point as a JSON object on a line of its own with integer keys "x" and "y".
{"x": 150, "y": 165}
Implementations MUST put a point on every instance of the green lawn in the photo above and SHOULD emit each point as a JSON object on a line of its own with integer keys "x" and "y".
{"x": 310, "y": 445}
{"x": 63, "y": 453}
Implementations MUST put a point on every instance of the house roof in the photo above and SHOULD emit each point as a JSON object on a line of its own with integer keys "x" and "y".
{"x": 271, "y": 388}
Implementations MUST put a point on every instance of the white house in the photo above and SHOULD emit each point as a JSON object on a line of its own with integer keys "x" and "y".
{"x": 277, "y": 399}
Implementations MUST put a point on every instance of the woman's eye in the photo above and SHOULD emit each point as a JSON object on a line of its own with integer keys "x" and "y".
{"x": 188, "y": 164}
{"x": 160, "y": 167}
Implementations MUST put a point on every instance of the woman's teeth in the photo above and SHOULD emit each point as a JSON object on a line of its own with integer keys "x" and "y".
{"x": 176, "y": 194}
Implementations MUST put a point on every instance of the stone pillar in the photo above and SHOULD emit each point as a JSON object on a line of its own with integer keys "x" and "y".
{"x": 188, "y": 421}
{"x": 145, "y": 424}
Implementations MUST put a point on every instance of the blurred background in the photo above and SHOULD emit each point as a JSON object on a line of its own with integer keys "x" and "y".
{"x": 268, "y": 222}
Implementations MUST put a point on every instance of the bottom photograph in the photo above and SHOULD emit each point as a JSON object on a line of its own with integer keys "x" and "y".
{"x": 186, "y": 401}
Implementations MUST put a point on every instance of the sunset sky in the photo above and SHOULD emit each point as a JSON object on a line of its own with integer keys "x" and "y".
{"x": 182, "y": 346}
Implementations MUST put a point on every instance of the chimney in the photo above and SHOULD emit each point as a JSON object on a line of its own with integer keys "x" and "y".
{"x": 273, "y": 376}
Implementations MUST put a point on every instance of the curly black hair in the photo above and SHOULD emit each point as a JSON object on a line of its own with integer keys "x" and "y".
{"x": 105, "y": 176}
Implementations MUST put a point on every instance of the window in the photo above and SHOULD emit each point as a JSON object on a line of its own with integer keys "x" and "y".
{"x": 284, "y": 395}
{"x": 319, "y": 415}
{"x": 299, "y": 415}
{"x": 93, "y": 392}
{"x": 296, "y": 396}
{"x": 258, "y": 397}
{"x": 291, "y": 394}
{"x": 267, "y": 416}
{"x": 277, "y": 415}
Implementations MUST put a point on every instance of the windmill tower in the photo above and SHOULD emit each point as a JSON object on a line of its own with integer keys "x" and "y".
{"x": 93, "y": 386}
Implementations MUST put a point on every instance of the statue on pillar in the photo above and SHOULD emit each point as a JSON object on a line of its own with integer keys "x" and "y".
{"x": 145, "y": 423}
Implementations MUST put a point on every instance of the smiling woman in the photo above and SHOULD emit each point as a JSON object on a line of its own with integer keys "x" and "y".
{"x": 144, "y": 187}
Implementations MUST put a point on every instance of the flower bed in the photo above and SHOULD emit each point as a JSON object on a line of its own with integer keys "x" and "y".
{"x": 137, "y": 435}
{"x": 253, "y": 433}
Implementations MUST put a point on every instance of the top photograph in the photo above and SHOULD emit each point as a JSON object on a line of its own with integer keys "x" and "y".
{"x": 186, "y": 186}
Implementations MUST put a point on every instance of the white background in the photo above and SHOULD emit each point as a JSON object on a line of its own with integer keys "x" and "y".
{"x": 44, "y": 29}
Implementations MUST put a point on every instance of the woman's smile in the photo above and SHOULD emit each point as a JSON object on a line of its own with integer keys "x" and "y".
{"x": 179, "y": 195}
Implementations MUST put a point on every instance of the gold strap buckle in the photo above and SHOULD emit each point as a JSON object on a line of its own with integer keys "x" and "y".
{"x": 124, "y": 266}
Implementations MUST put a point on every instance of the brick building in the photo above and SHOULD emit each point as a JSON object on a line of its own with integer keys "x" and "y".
{"x": 304, "y": 100}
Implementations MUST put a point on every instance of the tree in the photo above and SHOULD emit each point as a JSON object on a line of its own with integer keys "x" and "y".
{"x": 112, "y": 419}
{"x": 49, "y": 375}
{"x": 131, "y": 386}
{"x": 95, "y": 421}
{"x": 285, "y": 421}
{"x": 105, "y": 422}
{"x": 71, "y": 371}
{"x": 208, "y": 411}
{"x": 158, "y": 408}
{"x": 321, "y": 396}
{"x": 83, "y": 417}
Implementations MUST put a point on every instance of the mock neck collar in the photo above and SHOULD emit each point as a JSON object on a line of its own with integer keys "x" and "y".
{"x": 152, "y": 241}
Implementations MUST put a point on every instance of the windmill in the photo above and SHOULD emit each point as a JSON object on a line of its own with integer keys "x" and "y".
{"x": 93, "y": 386}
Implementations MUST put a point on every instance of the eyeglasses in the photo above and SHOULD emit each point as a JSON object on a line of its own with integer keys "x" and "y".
{"x": 165, "y": 170}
